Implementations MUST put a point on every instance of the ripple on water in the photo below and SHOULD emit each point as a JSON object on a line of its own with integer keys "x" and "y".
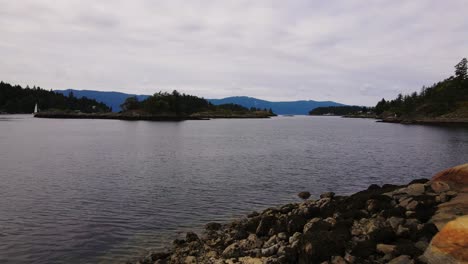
{"x": 87, "y": 191}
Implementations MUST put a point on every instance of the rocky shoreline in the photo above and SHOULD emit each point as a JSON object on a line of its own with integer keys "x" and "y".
{"x": 420, "y": 121}
{"x": 428, "y": 121}
{"x": 397, "y": 224}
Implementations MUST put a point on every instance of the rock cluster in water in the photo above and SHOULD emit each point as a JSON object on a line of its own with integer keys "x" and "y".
{"x": 383, "y": 224}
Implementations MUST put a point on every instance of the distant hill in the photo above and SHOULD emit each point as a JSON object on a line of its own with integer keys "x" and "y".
{"x": 446, "y": 100}
{"x": 115, "y": 99}
{"x": 281, "y": 108}
{"x": 112, "y": 99}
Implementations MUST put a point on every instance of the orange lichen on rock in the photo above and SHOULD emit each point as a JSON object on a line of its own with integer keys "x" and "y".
{"x": 456, "y": 178}
{"x": 450, "y": 245}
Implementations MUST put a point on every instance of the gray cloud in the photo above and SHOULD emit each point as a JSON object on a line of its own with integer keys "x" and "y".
{"x": 350, "y": 51}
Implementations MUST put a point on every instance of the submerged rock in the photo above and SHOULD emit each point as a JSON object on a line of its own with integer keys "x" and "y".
{"x": 304, "y": 195}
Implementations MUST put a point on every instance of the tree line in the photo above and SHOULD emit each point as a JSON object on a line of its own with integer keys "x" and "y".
{"x": 181, "y": 105}
{"x": 440, "y": 98}
{"x": 15, "y": 99}
{"x": 340, "y": 110}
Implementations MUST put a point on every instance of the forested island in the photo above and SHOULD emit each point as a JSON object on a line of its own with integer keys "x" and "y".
{"x": 443, "y": 102}
{"x": 161, "y": 106}
{"x": 15, "y": 99}
{"x": 184, "y": 105}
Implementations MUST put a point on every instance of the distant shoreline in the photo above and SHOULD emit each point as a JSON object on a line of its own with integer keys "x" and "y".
{"x": 427, "y": 121}
{"x": 415, "y": 121}
{"x": 132, "y": 117}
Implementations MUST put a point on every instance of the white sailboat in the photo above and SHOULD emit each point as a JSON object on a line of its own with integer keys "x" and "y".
{"x": 36, "y": 109}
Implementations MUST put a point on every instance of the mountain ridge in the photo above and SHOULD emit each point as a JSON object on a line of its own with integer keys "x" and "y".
{"x": 298, "y": 107}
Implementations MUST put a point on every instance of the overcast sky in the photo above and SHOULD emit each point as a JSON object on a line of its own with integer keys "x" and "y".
{"x": 353, "y": 52}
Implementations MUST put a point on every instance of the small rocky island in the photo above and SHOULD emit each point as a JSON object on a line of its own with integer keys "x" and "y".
{"x": 425, "y": 221}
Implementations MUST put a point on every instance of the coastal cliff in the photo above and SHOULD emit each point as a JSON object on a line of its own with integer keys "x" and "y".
{"x": 421, "y": 222}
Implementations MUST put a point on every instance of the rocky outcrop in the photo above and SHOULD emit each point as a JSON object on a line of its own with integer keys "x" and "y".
{"x": 383, "y": 224}
{"x": 456, "y": 177}
{"x": 450, "y": 245}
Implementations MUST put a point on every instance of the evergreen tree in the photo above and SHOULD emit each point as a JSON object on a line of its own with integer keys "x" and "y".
{"x": 131, "y": 103}
{"x": 461, "y": 69}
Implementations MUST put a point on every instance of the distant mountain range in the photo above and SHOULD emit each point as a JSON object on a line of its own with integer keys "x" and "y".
{"x": 115, "y": 99}
{"x": 282, "y": 108}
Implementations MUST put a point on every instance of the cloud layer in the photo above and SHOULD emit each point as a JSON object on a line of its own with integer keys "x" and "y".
{"x": 354, "y": 52}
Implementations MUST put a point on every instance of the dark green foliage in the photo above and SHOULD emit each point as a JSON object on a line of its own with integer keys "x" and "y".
{"x": 180, "y": 104}
{"x": 461, "y": 69}
{"x": 234, "y": 107}
{"x": 441, "y": 98}
{"x": 340, "y": 110}
{"x": 130, "y": 103}
{"x": 15, "y": 99}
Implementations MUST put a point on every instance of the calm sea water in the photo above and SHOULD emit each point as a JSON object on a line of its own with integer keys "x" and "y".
{"x": 105, "y": 191}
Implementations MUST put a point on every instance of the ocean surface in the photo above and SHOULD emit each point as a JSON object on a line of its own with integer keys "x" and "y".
{"x": 107, "y": 191}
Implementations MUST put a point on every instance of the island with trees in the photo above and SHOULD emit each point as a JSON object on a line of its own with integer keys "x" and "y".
{"x": 183, "y": 106}
{"x": 161, "y": 106}
{"x": 445, "y": 102}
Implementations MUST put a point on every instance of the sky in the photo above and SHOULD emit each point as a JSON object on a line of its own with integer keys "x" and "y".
{"x": 353, "y": 52}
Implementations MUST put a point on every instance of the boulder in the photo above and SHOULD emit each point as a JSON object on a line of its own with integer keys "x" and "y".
{"x": 403, "y": 259}
{"x": 338, "y": 260}
{"x": 394, "y": 222}
{"x": 450, "y": 210}
{"x": 266, "y": 252}
{"x": 456, "y": 177}
{"x": 250, "y": 260}
{"x": 316, "y": 224}
{"x": 440, "y": 186}
{"x": 191, "y": 237}
{"x": 448, "y": 181}
{"x": 283, "y": 236}
{"x": 412, "y": 206}
{"x": 265, "y": 224}
{"x": 233, "y": 251}
{"x": 320, "y": 245}
{"x": 415, "y": 189}
{"x": 423, "y": 180}
{"x": 213, "y": 226}
{"x": 450, "y": 245}
{"x": 304, "y": 195}
{"x": 386, "y": 249}
{"x": 295, "y": 224}
{"x": 327, "y": 195}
